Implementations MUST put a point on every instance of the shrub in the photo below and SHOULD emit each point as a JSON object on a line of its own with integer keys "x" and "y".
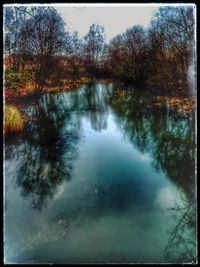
{"x": 12, "y": 79}
{"x": 13, "y": 121}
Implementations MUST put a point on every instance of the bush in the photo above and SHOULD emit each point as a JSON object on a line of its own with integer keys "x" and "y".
{"x": 13, "y": 121}
{"x": 14, "y": 79}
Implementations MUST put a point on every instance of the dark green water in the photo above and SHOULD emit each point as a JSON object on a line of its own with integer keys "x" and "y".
{"x": 100, "y": 176}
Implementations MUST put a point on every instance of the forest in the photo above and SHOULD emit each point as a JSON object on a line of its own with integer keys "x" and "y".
{"x": 39, "y": 50}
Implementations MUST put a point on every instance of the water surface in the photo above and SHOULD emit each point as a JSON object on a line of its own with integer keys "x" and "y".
{"x": 100, "y": 175}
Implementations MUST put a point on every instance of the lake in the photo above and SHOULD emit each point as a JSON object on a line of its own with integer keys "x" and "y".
{"x": 100, "y": 175}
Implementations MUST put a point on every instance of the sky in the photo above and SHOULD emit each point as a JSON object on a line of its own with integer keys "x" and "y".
{"x": 115, "y": 19}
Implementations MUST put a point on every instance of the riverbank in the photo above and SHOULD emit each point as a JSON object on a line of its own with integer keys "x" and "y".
{"x": 16, "y": 98}
{"x": 181, "y": 104}
{"x": 27, "y": 91}
{"x": 26, "y": 95}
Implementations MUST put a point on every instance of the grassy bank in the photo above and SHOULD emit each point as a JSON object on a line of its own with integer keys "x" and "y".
{"x": 27, "y": 88}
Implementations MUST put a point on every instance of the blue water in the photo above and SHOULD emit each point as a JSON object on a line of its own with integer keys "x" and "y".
{"x": 97, "y": 176}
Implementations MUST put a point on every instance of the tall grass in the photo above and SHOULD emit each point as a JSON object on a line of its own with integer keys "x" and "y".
{"x": 13, "y": 121}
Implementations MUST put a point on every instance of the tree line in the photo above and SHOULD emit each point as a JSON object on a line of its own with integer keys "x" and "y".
{"x": 39, "y": 45}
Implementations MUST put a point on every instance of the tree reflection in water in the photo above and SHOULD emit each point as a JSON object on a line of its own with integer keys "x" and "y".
{"x": 48, "y": 150}
{"x": 169, "y": 138}
{"x": 181, "y": 245}
{"x": 49, "y": 145}
{"x": 93, "y": 101}
{"x": 50, "y": 140}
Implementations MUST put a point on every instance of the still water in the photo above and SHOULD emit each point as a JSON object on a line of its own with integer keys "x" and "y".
{"x": 100, "y": 175}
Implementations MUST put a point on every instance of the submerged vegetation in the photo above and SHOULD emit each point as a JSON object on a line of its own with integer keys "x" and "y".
{"x": 13, "y": 121}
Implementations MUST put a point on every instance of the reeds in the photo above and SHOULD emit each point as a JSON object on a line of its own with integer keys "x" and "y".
{"x": 13, "y": 121}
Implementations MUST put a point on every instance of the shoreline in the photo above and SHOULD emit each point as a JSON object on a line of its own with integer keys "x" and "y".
{"x": 25, "y": 95}
{"x": 12, "y": 96}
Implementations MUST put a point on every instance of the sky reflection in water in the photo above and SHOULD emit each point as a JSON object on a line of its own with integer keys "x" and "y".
{"x": 98, "y": 177}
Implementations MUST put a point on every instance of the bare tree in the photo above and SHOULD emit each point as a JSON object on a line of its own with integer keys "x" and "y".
{"x": 172, "y": 36}
{"x": 127, "y": 54}
{"x": 93, "y": 46}
{"x": 14, "y": 19}
{"x": 163, "y": 55}
{"x": 42, "y": 37}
